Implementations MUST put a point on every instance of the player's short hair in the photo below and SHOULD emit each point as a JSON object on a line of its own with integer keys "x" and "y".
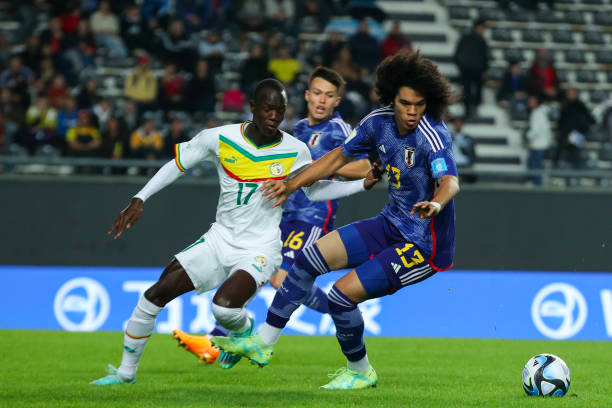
{"x": 330, "y": 76}
{"x": 268, "y": 84}
{"x": 419, "y": 73}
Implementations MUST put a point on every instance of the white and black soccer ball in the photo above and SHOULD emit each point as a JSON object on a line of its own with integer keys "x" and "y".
{"x": 546, "y": 375}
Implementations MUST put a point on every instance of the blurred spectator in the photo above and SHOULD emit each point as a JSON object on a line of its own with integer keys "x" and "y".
{"x": 331, "y": 48}
{"x": 141, "y": 85}
{"x": 171, "y": 89}
{"x": 57, "y": 91}
{"x": 514, "y": 84}
{"x": 280, "y": 15}
{"x": 5, "y": 47}
{"x": 70, "y": 18}
{"x": 83, "y": 140}
{"x": 47, "y": 72}
{"x": 395, "y": 41}
{"x": 146, "y": 142}
{"x": 200, "y": 91}
{"x": 472, "y": 59}
{"x": 542, "y": 76}
{"x": 233, "y": 100}
{"x": 312, "y": 15}
{"x": 351, "y": 73}
{"x": 464, "y": 151}
{"x": 103, "y": 111}
{"x": 105, "y": 26}
{"x": 212, "y": 49}
{"x": 66, "y": 117}
{"x": 575, "y": 119}
{"x": 538, "y": 135}
{"x": 11, "y": 108}
{"x": 134, "y": 29}
{"x": 54, "y": 36}
{"x": 3, "y": 134}
{"x": 41, "y": 120}
{"x": 364, "y": 47}
{"x": 84, "y": 49}
{"x": 254, "y": 69}
{"x": 130, "y": 116}
{"x": 250, "y": 16}
{"x": 177, "y": 46}
{"x": 25, "y": 14}
{"x": 32, "y": 55}
{"x": 88, "y": 95}
{"x": 16, "y": 79}
{"x": 360, "y": 9}
{"x": 114, "y": 139}
{"x": 284, "y": 67}
{"x": 174, "y": 135}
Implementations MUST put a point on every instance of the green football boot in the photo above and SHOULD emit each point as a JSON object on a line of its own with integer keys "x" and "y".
{"x": 227, "y": 360}
{"x": 251, "y": 347}
{"x": 113, "y": 378}
{"x": 346, "y": 379}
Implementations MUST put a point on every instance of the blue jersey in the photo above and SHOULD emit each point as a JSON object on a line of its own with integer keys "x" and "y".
{"x": 320, "y": 139}
{"x": 413, "y": 163}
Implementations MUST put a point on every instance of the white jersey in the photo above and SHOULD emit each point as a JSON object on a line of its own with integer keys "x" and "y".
{"x": 243, "y": 212}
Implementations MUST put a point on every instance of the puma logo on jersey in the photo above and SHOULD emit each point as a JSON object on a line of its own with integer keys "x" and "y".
{"x": 232, "y": 160}
{"x": 382, "y": 148}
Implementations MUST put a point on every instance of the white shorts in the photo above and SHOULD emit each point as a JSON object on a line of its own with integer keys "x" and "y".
{"x": 212, "y": 259}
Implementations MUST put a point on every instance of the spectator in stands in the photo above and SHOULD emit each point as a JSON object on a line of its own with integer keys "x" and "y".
{"x": 25, "y": 14}
{"x": 103, "y": 110}
{"x": 114, "y": 138}
{"x": 66, "y": 117}
{"x": 575, "y": 119}
{"x": 538, "y": 135}
{"x": 472, "y": 59}
{"x": 171, "y": 89}
{"x": 514, "y": 85}
{"x": 105, "y": 26}
{"x": 88, "y": 96}
{"x": 313, "y": 15}
{"x": 212, "y": 49}
{"x": 134, "y": 29}
{"x": 254, "y": 69}
{"x": 3, "y": 134}
{"x": 84, "y": 140}
{"x": 146, "y": 142}
{"x": 193, "y": 13}
{"x": 250, "y": 16}
{"x": 395, "y": 41}
{"x": 200, "y": 92}
{"x": 16, "y": 78}
{"x": 141, "y": 85}
{"x": 280, "y": 15}
{"x": 284, "y": 66}
{"x": 542, "y": 76}
{"x": 31, "y": 55}
{"x": 10, "y": 106}
{"x": 331, "y": 48}
{"x": 70, "y": 17}
{"x": 41, "y": 120}
{"x": 5, "y": 53}
{"x": 464, "y": 151}
{"x": 57, "y": 91}
{"x": 233, "y": 99}
{"x": 177, "y": 46}
{"x": 130, "y": 116}
{"x": 364, "y": 47}
{"x": 54, "y": 36}
{"x": 351, "y": 73}
{"x": 174, "y": 135}
{"x": 83, "y": 50}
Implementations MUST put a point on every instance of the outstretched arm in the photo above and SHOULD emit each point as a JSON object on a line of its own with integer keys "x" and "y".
{"x": 323, "y": 190}
{"x": 165, "y": 176}
{"x": 448, "y": 187}
{"x": 354, "y": 170}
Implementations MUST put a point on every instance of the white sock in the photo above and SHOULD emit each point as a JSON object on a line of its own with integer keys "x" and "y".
{"x": 235, "y": 319}
{"x": 360, "y": 365}
{"x": 137, "y": 333}
{"x": 269, "y": 334}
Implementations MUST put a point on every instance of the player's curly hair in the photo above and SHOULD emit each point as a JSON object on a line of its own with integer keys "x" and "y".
{"x": 410, "y": 69}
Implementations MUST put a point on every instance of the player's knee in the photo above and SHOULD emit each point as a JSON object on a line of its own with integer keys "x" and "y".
{"x": 277, "y": 279}
{"x": 230, "y": 317}
{"x": 154, "y": 295}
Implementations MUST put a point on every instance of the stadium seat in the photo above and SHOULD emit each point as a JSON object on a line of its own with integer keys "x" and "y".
{"x": 532, "y": 35}
{"x": 563, "y": 75}
{"x": 574, "y": 17}
{"x": 496, "y": 73}
{"x": 603, "y": 56}
{"x": 546, "y": 16}
{"x": 598, "y": 96}
{"x": 594, "y": 2}
{"x": 593, "y": 37}
{"x": 459, "y": 13}
{"x": 574, "y": 56}
{"x": 586, "y": 76}
{"x": 609, "y": 77}
{"x": 562, "y": 37}
{"x": 520, "y": 17}
{"x": 491, "y": 14}
{"x": 501, "y": 34}
{"x": 603, "y": 18}
{"x": 514, "y": 54}
{"x": 605, "y": 154}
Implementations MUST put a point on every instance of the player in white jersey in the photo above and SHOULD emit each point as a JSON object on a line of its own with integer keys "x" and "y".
{"x": 242, "y": 248}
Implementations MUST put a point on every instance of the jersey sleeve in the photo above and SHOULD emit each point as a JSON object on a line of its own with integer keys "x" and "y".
{"x": 361, "y": 141}
{"x": 203, "y": 147}
{"x": 441, "y": 161}
{"x": 303, "y": 160}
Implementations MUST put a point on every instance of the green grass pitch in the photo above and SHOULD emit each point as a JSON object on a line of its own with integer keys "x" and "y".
{"x": 53, "y": 369}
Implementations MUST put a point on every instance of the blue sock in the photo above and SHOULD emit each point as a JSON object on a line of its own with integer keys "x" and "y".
{"x": 297, "y": 285}
{"x": 219, "y": 330}
{"x": 349, "y": 324}
{"x": 317, "y": 299}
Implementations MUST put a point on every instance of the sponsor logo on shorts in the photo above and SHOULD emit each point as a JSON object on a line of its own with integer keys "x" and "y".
{"x": 276, "y": 169}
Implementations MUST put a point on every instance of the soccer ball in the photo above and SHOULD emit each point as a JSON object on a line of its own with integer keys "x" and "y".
{"x": 546, "y": 375}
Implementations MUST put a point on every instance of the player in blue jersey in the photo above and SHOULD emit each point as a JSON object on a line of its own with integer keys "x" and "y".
{"x": 304, "y": 221}
{"x": 408, "y": 242}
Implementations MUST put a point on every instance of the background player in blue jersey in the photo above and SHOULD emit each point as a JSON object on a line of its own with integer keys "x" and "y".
{"x": 408, "y": 242}
{"x": 304, "y": 221}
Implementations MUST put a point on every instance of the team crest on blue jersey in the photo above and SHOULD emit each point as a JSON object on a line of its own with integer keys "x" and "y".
{"x": 315, "y": 138}
{"x": 409, "y": 155}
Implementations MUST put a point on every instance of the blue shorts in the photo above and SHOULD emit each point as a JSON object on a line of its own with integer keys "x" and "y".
{"x": 384, "y": 261}
{"x": 297, "y": 235}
